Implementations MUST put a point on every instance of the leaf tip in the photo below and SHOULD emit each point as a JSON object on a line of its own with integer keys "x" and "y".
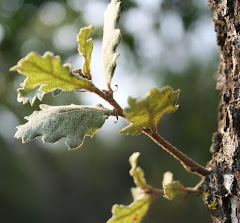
{"x": 167, "y": 178}
{"x": 134, "y": 157}
{"x": 14, "y": 68}
{"x": 91, "y": 27}
{"x": 16, "y": 135}
{"x": 49, "y": 54}
{"x": 71, "y": 148}
{"x": 68, "y": 65}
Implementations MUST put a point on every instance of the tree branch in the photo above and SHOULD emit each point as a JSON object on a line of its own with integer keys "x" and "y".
{"x": 156, "y": 192}
{"x": 188, "y": 163}
{"x": 108, "y": 97}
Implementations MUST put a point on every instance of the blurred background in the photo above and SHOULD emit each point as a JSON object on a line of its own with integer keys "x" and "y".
{"x": 164, "y": 42}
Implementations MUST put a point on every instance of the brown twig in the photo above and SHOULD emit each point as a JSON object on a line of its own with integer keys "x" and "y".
{"x": 188, "y": 163}
{"x": 108, "y": 96}
{"x": 156, "y": 192}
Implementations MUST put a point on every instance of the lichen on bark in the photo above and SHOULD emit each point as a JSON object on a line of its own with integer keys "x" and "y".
{"x": 222, "y": 185}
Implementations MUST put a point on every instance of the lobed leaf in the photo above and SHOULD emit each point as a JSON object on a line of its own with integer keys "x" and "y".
{"x": 133, "y": 213}
{"x": 111, "y": 39}
{"x": 30, "y": 95}
{"x": 85, "y": 47}
{"x": 171, "y": 188}
{"x": 148, "y": 111}
{"x": 49, "y": 73}
{"x": 137, "y": 172}
{"x": 74, "y": 122}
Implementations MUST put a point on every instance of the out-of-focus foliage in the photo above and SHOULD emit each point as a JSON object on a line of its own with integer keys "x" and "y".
{"x": 136, "y": 172}
{"x": 43, "y": 184}
{"x": 171, "y": 188}
{"x": 136, "y": 211}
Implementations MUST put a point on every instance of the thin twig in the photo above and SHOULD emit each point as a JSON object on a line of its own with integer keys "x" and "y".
{"x": 108, "y": 96}
{"x": 156, "y": 192}
{"x": 188, "y": 163}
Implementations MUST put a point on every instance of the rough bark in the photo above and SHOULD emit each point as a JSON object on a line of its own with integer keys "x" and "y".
{"x": 221, "y": 187}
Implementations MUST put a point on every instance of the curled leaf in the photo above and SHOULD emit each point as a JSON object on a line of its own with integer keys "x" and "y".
{"x": 111, "y": 39}
{"x": 48, "y": 73}
{"x": 85, "y": 47}
{"x": 136, "y": 172}
{"x": 134, "y": 212}
{"x": 171, "y": 188}
{"x": 30, "y": 95}
{"x": 74, "y": 122}
{"x": 147, "y": 111}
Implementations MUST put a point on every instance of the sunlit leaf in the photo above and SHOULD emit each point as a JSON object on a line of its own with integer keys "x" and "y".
{"x": 147, "y": 111}
{"x": 85, "y": 47}
{"x": 111, "y": 39}
{"x": 171, "y": 188}
{"x": 73, "y": 122}
{"x": 136, "y": 172}
{"x": 133, "y": 213}
{"x": 48, "y": 73}
{"x": 26, "y": 95}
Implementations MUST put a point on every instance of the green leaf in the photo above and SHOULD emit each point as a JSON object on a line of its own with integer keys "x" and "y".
{"x": 48, "y": 72}
{"x": 136, "y": 172}
{"x": 171, "y": 188}
{"x": 111, "y": 39}
{"x": 148, "y": 111}
{"x": 85, "y": 47}
{"x": 133, "y": 213}
{"x": 26, "y": 95}
{"x": 30, "y": 95}
{"x": 73, "y": 122}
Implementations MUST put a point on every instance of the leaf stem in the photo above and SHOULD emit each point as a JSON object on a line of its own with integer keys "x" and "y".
{"x": 190, "y": 165}
{"x": 108, "y": 96}
{"x": 187, "y": 163}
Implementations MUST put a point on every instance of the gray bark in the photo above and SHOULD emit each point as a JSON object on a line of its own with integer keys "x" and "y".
{"x": 221, "y": 188}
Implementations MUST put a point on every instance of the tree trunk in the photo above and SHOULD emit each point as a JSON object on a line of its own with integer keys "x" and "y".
{"x": 221, "y": 188}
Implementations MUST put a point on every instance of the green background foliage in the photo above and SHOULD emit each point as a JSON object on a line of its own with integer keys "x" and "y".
{"x": 45, "y": 183}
